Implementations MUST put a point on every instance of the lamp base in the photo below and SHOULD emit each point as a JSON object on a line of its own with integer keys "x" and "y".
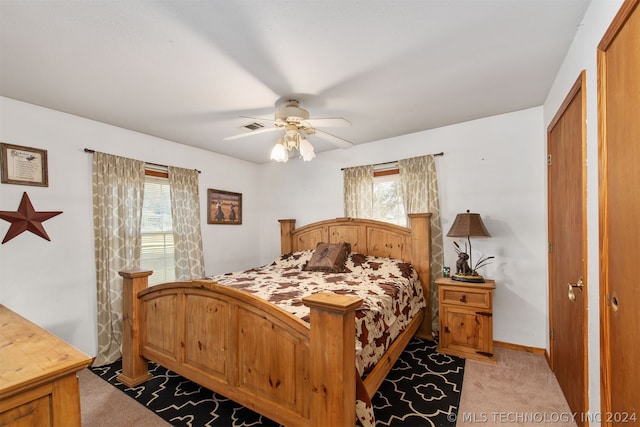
{"x": 473, "y": 278}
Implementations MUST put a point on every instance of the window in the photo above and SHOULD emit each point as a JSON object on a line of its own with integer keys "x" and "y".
{"x": 387, "y": 198}
{"x": 157, "y": 231}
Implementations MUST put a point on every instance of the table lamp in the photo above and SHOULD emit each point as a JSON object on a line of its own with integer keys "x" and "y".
{"x": 468, "y": 225}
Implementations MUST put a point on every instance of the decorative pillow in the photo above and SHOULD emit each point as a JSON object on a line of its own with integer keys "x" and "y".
{"x": 329, "y": 257}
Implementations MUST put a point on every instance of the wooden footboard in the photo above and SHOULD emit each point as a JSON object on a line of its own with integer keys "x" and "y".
{"x": 245, "y": 348}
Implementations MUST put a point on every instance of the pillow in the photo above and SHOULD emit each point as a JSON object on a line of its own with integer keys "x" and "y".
{"x": 328, "y": 257}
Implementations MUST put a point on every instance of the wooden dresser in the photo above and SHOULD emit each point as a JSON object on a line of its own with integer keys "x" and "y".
{"x": 38, "y": 380}
{"x": 466, "y": 319}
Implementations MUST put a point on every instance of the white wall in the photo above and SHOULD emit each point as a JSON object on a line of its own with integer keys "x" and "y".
{"x": 494, "y": 166}
{"x": 582, "y": 55}
{"x": 53, "y": 283}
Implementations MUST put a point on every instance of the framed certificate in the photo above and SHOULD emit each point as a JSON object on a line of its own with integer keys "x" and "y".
{"x": 23, "y": 165}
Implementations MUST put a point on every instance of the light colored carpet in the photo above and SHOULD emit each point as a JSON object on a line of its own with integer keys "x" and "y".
{"x": 102, "y": 405}
{"x": 520, "y": 391}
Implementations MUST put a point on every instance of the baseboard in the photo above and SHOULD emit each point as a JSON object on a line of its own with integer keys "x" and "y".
{"x": 519, "y": 347}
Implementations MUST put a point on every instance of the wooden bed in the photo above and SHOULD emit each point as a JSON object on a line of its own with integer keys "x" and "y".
{"x": 253, "y": 352}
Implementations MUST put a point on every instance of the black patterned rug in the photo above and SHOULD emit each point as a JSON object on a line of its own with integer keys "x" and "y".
{"x": 422, "y": 389}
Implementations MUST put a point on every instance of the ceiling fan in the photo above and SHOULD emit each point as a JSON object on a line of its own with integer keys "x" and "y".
{"x": 295, "y": 122}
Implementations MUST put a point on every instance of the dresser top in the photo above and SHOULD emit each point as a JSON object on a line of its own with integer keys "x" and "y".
{"x": 29, "y": 355}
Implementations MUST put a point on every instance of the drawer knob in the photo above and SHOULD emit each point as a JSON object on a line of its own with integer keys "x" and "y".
{"x": 463, "y": 299}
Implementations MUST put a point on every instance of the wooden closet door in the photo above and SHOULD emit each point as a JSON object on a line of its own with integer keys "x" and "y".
{"x": 619, "y": 120}
{"x": 566, "y": 146}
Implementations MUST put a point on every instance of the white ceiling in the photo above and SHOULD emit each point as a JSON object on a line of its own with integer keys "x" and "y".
{"x": 186, "y": 70}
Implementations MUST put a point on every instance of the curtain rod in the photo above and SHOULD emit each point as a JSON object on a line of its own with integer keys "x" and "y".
{"x": 396, "y": 161}
{"x": 89, "y": 150}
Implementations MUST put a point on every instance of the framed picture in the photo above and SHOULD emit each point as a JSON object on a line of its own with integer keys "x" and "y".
{"x": 23, "y": 165}
{"x": 224, "y": 207}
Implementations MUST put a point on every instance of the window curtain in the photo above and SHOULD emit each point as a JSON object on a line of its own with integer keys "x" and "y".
{"x": 118, "y": 191}
{"x": 358, "y": 192}
{"x": 419, "y": 183}
{"x": 185, "y": 214}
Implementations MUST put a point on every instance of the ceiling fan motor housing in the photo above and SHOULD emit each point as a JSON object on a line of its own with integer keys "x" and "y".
{"x": 291, "y": 113}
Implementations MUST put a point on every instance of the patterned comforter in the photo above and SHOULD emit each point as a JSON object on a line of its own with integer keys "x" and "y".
{"x": 390, "y": 289}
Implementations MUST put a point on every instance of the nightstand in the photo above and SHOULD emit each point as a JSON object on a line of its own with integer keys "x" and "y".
{"x": 466, "y": 319}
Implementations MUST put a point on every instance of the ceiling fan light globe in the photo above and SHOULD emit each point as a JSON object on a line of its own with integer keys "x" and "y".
{"x": 279, "y": 153}
{"x": 306, "y": 150}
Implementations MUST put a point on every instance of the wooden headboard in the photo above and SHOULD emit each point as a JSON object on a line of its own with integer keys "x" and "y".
{"x": 370, "y": 237}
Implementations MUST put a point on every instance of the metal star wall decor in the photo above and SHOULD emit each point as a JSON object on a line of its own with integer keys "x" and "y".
{"x": 26, "y": 219}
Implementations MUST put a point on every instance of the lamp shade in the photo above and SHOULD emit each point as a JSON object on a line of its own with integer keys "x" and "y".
{"x": 468, "y": 224}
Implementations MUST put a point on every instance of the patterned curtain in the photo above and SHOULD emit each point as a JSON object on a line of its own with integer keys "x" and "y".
{"x": 118, "y": 191}
{"x": 358, "y": 192}
{"x": 420, "y": 194}
{"x": 185, "y": 213}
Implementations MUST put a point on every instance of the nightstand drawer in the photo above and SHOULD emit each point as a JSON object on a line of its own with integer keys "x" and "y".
{"x": 467, "y": 297}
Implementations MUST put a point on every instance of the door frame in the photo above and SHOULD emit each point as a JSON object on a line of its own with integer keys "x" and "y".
{"x": 625, "y": 11}
{"x": 579, "y": 87}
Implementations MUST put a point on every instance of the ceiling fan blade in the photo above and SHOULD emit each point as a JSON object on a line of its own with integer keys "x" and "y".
{"x": 335, "y": 140}
{"x": 329, "y": 122}
{"x": 251, "y": 133}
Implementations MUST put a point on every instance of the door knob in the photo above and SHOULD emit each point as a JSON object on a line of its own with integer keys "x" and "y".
{"x": 571, "y": 295}
{"x": 578, "y": 284}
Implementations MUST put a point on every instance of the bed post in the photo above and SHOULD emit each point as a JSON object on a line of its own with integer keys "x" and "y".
{"x": 286, "y": 239}
{"x": 332, "y": 364}
{"x": 421, "y": 258}
{"x": 135, "y": 369}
